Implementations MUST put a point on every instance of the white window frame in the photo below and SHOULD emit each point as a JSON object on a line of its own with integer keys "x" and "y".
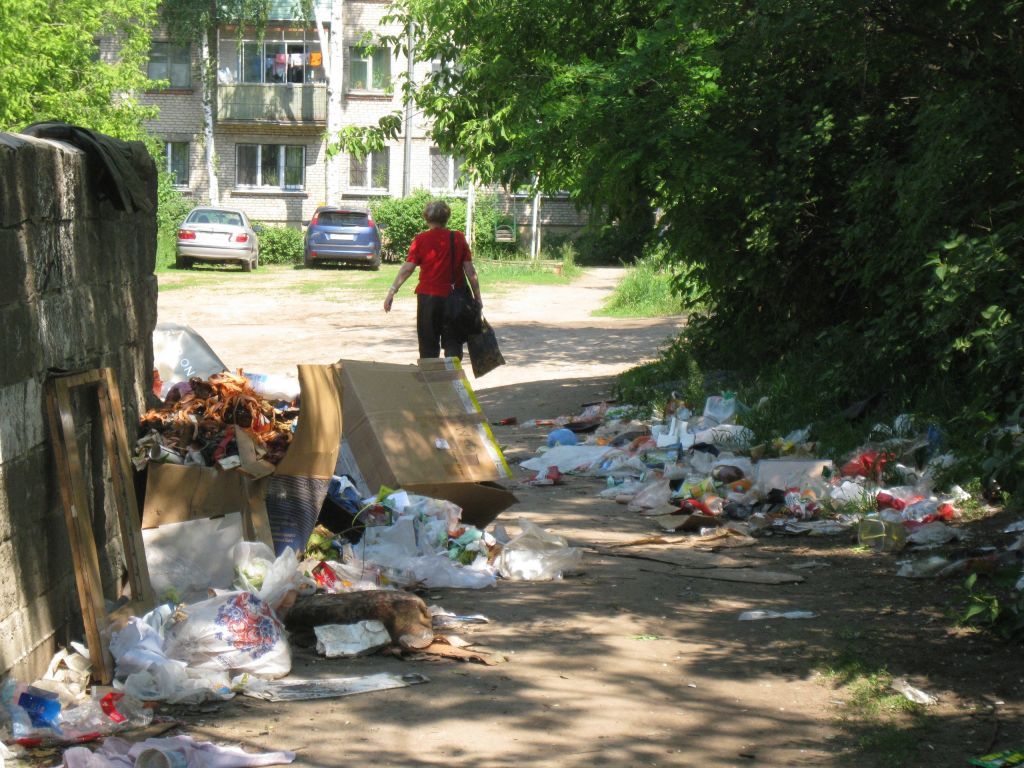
{"x": 452, "y": 182}
{"x": 281, "y": 164}
{"x": 368, "y": 160}
{"x": 231, "y": 69}
{"x": 169, "y": 166}
{"x": 359, "y": 53}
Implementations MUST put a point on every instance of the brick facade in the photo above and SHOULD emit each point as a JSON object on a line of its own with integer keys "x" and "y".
{"x": 181, "y": 120}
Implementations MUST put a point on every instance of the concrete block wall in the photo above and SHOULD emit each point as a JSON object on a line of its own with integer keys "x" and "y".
{"x": 78, "y": 293}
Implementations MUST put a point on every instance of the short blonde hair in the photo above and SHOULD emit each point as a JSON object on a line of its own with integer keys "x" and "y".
{"x": 437, "y": 212}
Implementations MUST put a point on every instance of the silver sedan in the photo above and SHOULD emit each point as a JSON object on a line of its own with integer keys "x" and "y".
{"x": 217, "y": 235}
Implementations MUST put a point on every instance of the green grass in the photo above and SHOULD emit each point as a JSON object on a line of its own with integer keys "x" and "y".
{"x": 645, "y": 291}
{"x": 886, "y": 727}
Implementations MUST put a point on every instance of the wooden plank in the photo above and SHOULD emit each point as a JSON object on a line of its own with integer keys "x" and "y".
{"x": 128, "y": 519}
{"x": 79, "y": 523}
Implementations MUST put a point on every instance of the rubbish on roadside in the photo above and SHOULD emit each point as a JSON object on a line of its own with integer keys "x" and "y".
{"x": 910, "y": 693}
{"x": 1017, "y": 527}
{"x": 442, "y": 648}
{"x": 67, "y": 675}
{"x": 509, "y": 421}
{"x": 790, "y": 473}
{"x": 760, "y": 615}
{"x": 1004, "y": 759}
{"x": 933, "y": 534}
{"x": 537, "y": 555}
{"x": 442, "y": 618}
{"x": 188, "y": 557}
{"x": 561, "y": 436}
{"x": 37, "y": 716}
{"x": 922, "y": 568}
{"x": 179, "y": 354}
{"x": 169, "y": 752}
{"x": 549, "y": 476}
{"x": 570, "y": 458}
{"x": 297, "y": 689}
{"x": 276, "y": 387}
{"x": 881, "y": 535}
{"x": 420, "y": 428}
{"x": 344, "y": 640}
{"x": 404, "y": 615}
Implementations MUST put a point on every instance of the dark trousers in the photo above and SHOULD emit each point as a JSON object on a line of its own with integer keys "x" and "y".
{"x": 430, "y": 330}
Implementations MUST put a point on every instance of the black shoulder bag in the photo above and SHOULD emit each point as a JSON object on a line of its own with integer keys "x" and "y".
{"x": 462, "y": 317}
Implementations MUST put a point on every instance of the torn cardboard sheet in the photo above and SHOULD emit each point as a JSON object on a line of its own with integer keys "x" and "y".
{"x": 420, "y": 427}
{"x": 293, "y": 689}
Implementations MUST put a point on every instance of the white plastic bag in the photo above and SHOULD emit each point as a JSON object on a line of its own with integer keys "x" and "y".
{"x": 273, "y": 579}
{"x": 719, "y": 409}
{"x": 569, "y": 458}
{"x": 536, "y": 555}
{"x": 233, "y": 632}
{"x": 652, "y": 496}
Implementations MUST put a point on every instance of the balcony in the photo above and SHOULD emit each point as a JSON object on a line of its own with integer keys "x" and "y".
{"x": 279, "y": 104}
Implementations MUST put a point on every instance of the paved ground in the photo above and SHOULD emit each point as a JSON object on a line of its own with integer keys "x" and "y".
{"x": 631, "y": 663}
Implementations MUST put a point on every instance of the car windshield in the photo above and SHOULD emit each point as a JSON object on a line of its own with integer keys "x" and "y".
{"x": 228, "y": 218}
{"x": 342, "y": 219}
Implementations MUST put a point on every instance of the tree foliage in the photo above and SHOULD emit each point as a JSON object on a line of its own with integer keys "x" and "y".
{"x": 52, "y": 68}
{"x": 844, "y": 175}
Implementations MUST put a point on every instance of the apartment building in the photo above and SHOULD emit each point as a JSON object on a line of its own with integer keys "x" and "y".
{"x": 270, "y": 115}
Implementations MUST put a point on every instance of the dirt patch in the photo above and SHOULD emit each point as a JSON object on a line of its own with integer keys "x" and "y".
{"x": 629, "y": 663}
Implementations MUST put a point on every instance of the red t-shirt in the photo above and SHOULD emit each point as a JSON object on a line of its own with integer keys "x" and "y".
{"x": 429, "y": 251}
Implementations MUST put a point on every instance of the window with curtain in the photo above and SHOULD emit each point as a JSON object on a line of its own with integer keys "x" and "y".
{"x": 372, "y": 172}
{"x": 279, "y": 166}
{"x": 172, "y": 63}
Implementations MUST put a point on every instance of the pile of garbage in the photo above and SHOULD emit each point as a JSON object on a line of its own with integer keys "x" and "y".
{"x": 210, "y": 422}
{"x": 702, "y": 473}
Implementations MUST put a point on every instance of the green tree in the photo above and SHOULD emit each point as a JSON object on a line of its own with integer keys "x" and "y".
{"x": 52, "y": 67}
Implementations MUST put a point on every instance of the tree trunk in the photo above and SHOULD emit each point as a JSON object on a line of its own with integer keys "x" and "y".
{"x": 208, "y": 73}
{"x": 335, "y": 90}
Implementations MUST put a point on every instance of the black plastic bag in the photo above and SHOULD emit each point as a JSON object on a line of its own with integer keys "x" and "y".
{"x": 484, "y": 354}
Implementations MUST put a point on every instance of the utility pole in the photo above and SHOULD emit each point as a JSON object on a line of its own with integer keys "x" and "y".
{"x": 333, "y": 49}
{"x": 407, "y": 133}
{"x": 535, "y": 222}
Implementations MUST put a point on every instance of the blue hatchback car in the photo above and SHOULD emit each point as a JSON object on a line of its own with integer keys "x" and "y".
{"x": 342, "y": 234}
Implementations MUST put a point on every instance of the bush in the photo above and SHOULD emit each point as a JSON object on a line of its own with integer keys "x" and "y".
{"x": 171, "y": 209}
{"x": 401, "y": 219}
{"x": 280, "y": 245}
{"x": 608, "y": 245}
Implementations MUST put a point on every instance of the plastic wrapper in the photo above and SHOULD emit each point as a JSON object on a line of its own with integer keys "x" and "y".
{"x": 536, "y": 555}
{"x": 232, "y": 632}
{"x": 570, "y": 458}
{"x": 651, "y": 496}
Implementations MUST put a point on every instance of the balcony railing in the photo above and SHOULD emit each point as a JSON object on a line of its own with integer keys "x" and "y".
{"x": 290, "y": 104}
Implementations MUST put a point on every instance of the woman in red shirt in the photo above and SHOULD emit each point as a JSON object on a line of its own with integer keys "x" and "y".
{"x": 431, "y": 252}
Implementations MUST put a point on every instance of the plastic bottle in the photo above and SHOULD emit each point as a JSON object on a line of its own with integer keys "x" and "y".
{"x": 881, "y": 535}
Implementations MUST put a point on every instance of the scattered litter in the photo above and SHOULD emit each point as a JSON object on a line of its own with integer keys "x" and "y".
{"x": 759, "y": 615}
{"x": 536, "y": 555}
{"x": 170, "y": 751}
{"x": 810, "y": 564}
{"x": 442, "y": 618}
{"x": 344, "y": 640}
{"x": 1004, "y": 759}
{"x": 1017, "y": 527}
{"x": 916, "y": 695}
{"x": 295, "y": 689}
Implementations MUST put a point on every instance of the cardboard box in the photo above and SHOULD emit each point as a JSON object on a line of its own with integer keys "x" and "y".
{"x": 176, "y": 493}
{"x": 420, "y": 427}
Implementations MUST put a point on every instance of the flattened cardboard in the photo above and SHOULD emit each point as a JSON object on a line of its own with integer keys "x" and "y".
{"x": 314, "y": 448}
{"x": 420, "y": 427}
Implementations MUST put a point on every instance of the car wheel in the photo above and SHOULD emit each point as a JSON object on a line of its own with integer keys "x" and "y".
{"x": 247, "y": 266}
{"x": 180, "y": 262}
{"x": 375, "y": 264}
{"x": 256, "y": 260}
{"x": 307, "y": 261}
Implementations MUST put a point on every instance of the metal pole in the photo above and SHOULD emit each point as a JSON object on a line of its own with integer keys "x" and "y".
{"x": 535, "y": 222}
{"x": 407, "y": 163}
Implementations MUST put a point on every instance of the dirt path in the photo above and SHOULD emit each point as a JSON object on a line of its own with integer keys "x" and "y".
{"x": 631, "y": 663}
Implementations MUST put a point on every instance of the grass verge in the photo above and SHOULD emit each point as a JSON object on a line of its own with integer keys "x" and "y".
{"x": 645, "y": 291}
{"x": 884, "y": 727}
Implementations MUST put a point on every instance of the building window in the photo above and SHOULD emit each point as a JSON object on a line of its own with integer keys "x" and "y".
{"x": 372, "y": 172}
{"x": 279, "y": 166}
{"x": 445, "y": 171}
{"x": 270, "y": 61}
{"x": 177, "y": 161}
{"x": 369, "y": 70}
{"x": 172, "y": 63}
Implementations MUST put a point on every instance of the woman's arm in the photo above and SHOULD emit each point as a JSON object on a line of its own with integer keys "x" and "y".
{"x": 470, "y": 271}
{"x": 403, "y": 274}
